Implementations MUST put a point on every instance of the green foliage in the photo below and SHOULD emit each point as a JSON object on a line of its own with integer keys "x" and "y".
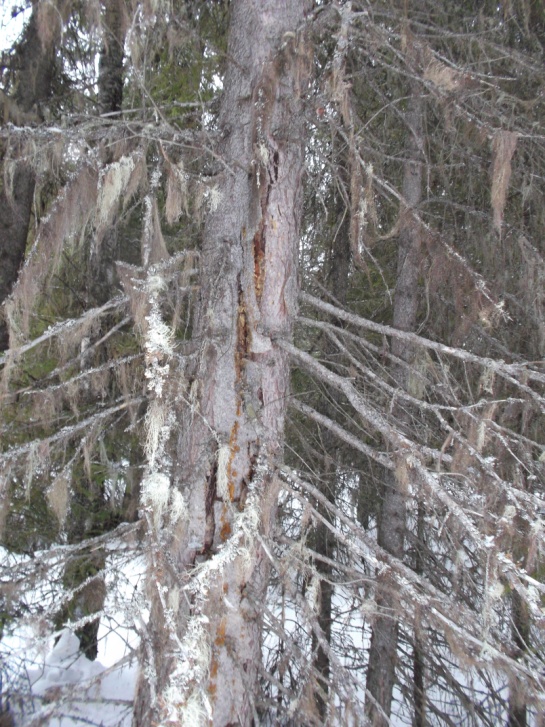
{"x": 30, "y": 525}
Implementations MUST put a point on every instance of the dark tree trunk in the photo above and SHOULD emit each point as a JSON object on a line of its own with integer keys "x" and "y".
{"x": 324, "y": 539}
{"x": 520, "y": 616}
{"x": 15, "y": 210}
{"x": 419, "y": 691}
{"x": 110, "y": 65}
{"x": 102, "y": 270}
{"x": 391, "y": 526}
{"x": 324, "y": 545}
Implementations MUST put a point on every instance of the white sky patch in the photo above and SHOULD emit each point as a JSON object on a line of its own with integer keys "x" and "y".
{"x": 11, "y": 27}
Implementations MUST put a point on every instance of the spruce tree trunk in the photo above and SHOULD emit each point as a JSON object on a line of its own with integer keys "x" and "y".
{"x": 209, "y": 574}
{"x": 110, "y": 66}
{"x": 15, "y": 209}
{"x": 102, "y": 273}
{"x": 419, "y": 685}
{"x": 391, "y": 526}
{"x": 324, "y": 539}
{"x": 517, "y": 712}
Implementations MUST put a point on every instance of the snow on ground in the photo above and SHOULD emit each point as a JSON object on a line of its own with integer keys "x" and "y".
{"x": 48, "y": 682}
{"x": 89, "y": 692}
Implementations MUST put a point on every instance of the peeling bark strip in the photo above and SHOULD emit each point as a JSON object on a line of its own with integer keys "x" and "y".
{"x": 503, "y": 148}
{"x": 202, "y": 649}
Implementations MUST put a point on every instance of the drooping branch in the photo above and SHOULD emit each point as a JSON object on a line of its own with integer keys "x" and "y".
{"x": 462, "y": 624}
{"x": 406, "y": 451}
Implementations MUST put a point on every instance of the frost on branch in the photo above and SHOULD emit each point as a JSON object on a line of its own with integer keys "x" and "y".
{"x": 155, "y": 494}
{"x": 178, "y": 507}
{"x": 185, "y": 700}
{"x": 159, "y": 418}
{"x": 191, "y": 669}
{"x": 120, "y": 179}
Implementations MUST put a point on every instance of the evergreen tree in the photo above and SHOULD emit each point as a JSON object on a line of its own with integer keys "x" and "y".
{"x": 271, "y": 280}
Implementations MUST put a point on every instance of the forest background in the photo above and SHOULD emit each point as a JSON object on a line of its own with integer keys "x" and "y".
{"x": 271, "y": 345}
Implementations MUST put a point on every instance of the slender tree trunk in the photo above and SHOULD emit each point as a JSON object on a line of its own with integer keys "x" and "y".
{"x": 15, "y": 209}
{"x": 102, "y": 275}
{"x": 521, "y": 622}
{"x": 204, "y": 644}
{"x": 517, "y": 716}
{"x": 110, "y": 65}
{"x": 418, "y": 651}
{"x": 391, "y": 526}
{"x": 324, "y": 540}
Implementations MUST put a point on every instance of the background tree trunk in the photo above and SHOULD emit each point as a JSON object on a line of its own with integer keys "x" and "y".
{"x": 102, "y": 270}
{"x": 517, "y": 713}
{"x": 110, "y": 65}
{"x": 15, "y": 210}
{"x": 324, "y": 539}
{"x": 391, "y": 525}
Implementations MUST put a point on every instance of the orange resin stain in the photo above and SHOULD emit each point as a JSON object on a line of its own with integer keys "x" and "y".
{"x": 219, "y": 642}
{"x": 233, "y": 450}
{"x": 243, "y": 337}
{"x": 225, "y": 530}
{"x": 212, "y": 688}
{"x": 259, "y": 263}
{"x": 220, "y": 634}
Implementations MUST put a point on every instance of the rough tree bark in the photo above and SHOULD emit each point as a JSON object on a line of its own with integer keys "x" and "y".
{"x": 391, "y": 526}
{"x": 231, "y": 436}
